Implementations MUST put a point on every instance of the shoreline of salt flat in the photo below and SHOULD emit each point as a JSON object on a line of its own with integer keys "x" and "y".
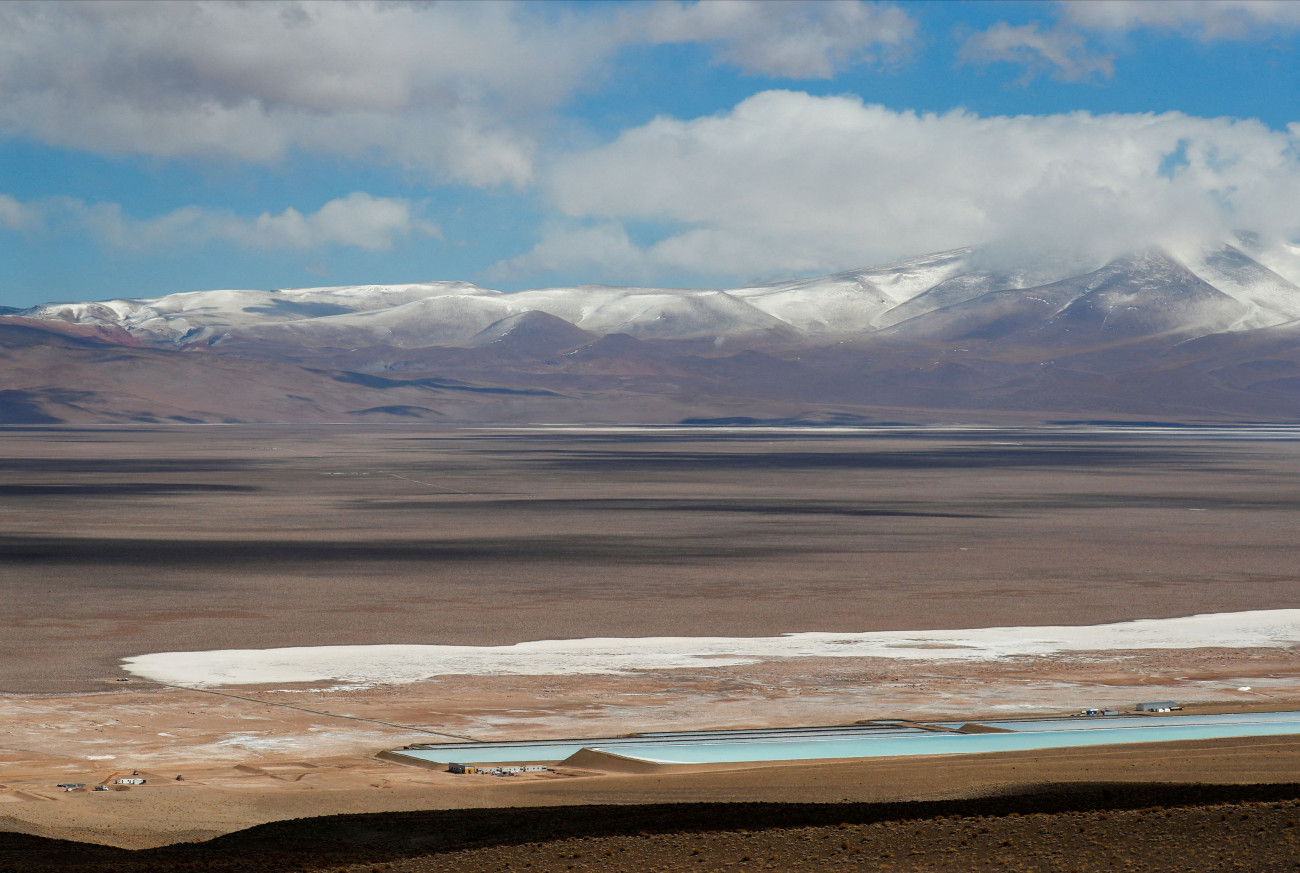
{"x": 399, "y": 664}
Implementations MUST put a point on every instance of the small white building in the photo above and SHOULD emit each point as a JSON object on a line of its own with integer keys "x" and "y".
{"x": 129, "y": 780}
{"x": 497, "y": 770}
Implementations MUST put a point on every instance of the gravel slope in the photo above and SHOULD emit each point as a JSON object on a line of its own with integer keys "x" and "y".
{"x": 1073, "y": 828}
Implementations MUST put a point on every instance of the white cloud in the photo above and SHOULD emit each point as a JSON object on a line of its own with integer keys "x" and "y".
{"x": 431, "y": 87}
{"x": 357, "y": 221}
{"x": 1206, "y": 19}
{"x": 459, "y": 91}
{"x": 1066, "y": 50}
{"x": 573, "y": 246}
{"x": 788, "y": 182}
{"x": 1064, "y": 53}
{"x": 13, "y": 214}
{"x": 791, "y": 38}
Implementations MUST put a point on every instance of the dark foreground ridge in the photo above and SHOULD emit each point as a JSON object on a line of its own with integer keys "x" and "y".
{"x": 1055, "y": 827}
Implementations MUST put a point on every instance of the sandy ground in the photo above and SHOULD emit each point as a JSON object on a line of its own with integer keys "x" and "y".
{"x": 252, "y": 754}
{"x": 221, "y": 800}
{"x": 120, "y": 542}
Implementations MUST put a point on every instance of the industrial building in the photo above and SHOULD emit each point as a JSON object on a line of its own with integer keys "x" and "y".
{"x": 498, "y": 770}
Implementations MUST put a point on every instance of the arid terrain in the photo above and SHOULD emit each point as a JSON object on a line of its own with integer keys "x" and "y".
{"x": 649, "y": 436}
{"x": 123, "y": 541}
{"x": 119, "y": 541}
{"x": 1057, "y": 828}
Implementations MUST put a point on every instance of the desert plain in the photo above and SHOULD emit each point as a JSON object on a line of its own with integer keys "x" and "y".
{"x": 124, "y": 541}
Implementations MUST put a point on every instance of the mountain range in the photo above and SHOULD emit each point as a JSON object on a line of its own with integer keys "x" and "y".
{"x": 970, "y": 334}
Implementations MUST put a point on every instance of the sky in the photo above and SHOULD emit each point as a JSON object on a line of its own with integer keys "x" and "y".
{"x": 149, "y": 148}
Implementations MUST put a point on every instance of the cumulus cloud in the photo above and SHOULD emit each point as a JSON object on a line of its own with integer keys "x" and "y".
{"x": 357, "y": 221}
{"x": 460, "y": 91}
{"x": 1067, "y": 50}
{"x": 430, "y": 87}
{"x": 13, "y": 214}
{"x": 574, "y": 246}
{"x": 790, "y": 38}
{"x": 1063, "y": 53}
{"x": 1206, "y": 19}
{"x": 788, "y": 182}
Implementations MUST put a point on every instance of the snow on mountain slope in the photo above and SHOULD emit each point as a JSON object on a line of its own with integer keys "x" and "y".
{"x": 903, "y": 280}
{"x": 447, "y": 320}
{"x": 1283, "y": 259}
{"x": 578, "y": 304}
{"x": 929, "y": 296}
{"x": 1148, "y": 294}
{"x": 968, "y": 285}
{"x": 532, "y": 331}
{"x": 1269, "y": 298}
{"x": 191, "y": 316}
{"x": 654, "y": 313}
{"x": 1142, "y": 295}
{"x": 834, "y": 306}
{"x": 705, "y": 315}
{"x": 853, "y": 302}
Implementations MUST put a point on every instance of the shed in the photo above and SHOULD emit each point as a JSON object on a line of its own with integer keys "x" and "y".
{"x": 1158, "y": 706}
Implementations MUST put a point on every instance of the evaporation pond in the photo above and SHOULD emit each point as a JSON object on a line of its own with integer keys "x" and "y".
{"x": 721, "y": 747}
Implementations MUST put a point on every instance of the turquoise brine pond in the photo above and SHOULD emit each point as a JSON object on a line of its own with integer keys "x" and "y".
{"x": 881, "y": 740}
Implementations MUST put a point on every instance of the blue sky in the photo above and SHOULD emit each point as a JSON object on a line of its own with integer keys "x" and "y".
{"x": 152, "y": 148}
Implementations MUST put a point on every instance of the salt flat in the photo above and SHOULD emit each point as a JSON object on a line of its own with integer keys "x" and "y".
{"x": 120, "y": 542}
{"x": 553, "y": 583}
{"x": 399, "y": 664}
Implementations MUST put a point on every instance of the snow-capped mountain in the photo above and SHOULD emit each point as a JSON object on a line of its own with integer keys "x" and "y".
{"x": 201, "y": 316}
{"x": 1218, "y": 289}
{"x": 1135, "y": 296}
{"x": 1212, "y": 332}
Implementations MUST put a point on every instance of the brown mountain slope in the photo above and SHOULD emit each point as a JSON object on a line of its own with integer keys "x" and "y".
{"x": 53, "y": 372}
{"x": 60, "y": 375}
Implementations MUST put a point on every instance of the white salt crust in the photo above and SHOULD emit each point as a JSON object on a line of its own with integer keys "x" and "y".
{"x": 401, "y": 664}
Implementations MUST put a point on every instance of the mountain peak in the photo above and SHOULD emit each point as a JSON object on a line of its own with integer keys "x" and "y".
{"x": 1210, "y": 332}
